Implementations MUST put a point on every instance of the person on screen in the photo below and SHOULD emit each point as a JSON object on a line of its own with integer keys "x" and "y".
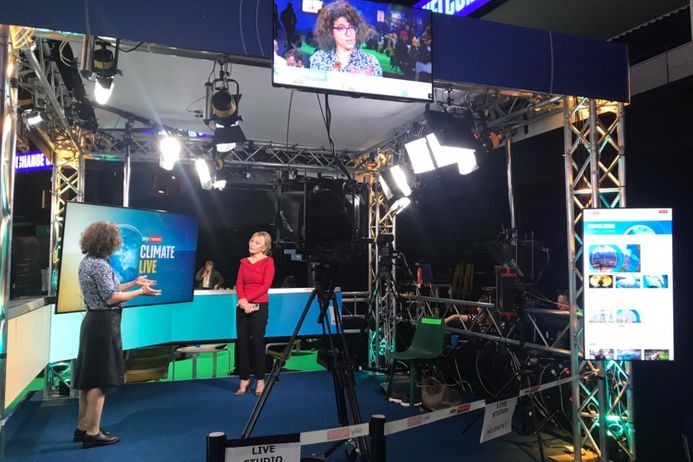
{"x": 278, "y": 60}
{"x": 294, "y": 58}
{"x": 99, "y": 364}
{"x": 275, "y": 18}
{"x": 289, "y": 20}
{"x": 340, "y": 30}
{"x": 208, "y": 278}
{"x": 295, "y": 43}
{"x": 254, "y": 280}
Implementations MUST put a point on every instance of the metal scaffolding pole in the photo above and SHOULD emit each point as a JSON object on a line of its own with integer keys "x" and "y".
{"x": 8, "y": 118}
{"x": 594, "y": 177}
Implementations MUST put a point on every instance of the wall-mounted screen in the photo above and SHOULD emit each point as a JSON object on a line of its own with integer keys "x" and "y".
{"x": 353, "y": 47}
{"x": 157, "y": 244}
{"x": 628, "y": 271}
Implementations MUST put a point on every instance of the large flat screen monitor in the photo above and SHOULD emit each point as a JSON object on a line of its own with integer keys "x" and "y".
{"x": 157, "y": 244}
{"x": 628, "y": 271}
{"x": 353, "y": 47}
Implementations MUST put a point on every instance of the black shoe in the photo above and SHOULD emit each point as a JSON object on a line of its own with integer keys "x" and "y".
{"x": 91, "y": 441}
{"x": 79, "y": 434}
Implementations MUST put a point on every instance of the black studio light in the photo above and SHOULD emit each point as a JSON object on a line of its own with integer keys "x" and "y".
{"x": 447, "y": 141}
{"x": 221, "y": 112}
{"x": 226, "y": 138}
{"x": 99, "y": 64}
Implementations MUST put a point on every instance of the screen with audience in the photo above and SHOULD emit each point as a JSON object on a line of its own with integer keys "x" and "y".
{"x": 353, "y": 47}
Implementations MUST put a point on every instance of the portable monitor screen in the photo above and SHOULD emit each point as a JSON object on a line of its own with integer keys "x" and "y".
{"x": 155, "y": 244}
{"x": 628, "y": 266}
{"x": 353, "y": 47}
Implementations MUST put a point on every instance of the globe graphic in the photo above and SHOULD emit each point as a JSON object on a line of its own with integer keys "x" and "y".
{"x": 604, "y": 258}
{"x": 126, "y": 260}
{"x": 639, "y": 229}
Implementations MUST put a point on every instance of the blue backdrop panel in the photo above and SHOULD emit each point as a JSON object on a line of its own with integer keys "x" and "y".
{"x": 485, "y": 53}
{"x": 211, "y": 316}
{"x": 590, "y": 68}
{"x": 464, "y": 50}
{"x": 241, "y": 27}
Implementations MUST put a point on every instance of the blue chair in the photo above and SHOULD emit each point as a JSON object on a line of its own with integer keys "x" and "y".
{"x": 426, "y": 345}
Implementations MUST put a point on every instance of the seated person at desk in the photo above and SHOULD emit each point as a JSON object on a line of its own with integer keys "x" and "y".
{"x": 208, "y": 277}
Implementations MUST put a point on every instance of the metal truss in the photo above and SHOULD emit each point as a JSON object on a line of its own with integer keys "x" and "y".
{"x": 595, "y": 177}
{"x": 506, "y": 113}
{"x": 381, "y": 286}
{"x": 8, "y": 118}
{"x": 39, "y": 74}
{"x": 111, "y": 144}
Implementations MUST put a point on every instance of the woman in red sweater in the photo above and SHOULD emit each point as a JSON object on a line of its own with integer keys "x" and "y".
{"x": 254, "y": 280}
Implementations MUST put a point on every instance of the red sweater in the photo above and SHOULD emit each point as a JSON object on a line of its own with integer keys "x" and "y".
{"x": 255, "y": 279}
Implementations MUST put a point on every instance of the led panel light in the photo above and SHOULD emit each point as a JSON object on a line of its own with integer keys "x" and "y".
{"x": 419, "y": 156}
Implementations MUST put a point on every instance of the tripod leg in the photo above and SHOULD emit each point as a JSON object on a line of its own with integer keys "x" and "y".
{"x": 537, "y": 428}
{"x": 278, "y": 365}
{"x": 343, "y": 373}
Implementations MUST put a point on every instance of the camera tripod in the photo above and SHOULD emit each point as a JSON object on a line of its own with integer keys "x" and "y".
{"x": 337, "y": 361}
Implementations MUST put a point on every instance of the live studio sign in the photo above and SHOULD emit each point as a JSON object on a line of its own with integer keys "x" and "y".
{"x": 284, "y": 448}
{"x": 498, "y": 418}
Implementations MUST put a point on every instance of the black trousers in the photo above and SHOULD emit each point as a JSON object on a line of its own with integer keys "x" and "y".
{"x": 251, "y": 341}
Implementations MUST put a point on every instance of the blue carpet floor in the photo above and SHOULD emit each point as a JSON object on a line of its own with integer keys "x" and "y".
{"x": 170, "y": 421}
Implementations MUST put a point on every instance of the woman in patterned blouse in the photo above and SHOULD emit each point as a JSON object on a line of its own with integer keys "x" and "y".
{"x": 99, "y": 364}
{"x": 340, "y": 29}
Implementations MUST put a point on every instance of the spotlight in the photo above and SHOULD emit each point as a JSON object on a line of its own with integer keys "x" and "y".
{"x": 204, "y": 173}
{"x": 100, "y": 66}
{"x": 449, "y": 141}
{"x": 419, "y": 156}
{"x": 32, "y": 118}
{"x": 221, "y": 109}
{"x": 465, "y": 158}
{"x": 467, "y": 163}
{"x": 102, "y": 90}
{"x": 396, "y": 183}
{"x": 221, "y": 104}
{"x": 169, "y": 152}
{"x": 401, "y": 180}
{"x": 444, "y": 155}
{"x": 400, "y": 204}
{"x": 226, "y": 138}
{"x": 219, "y": 184}
{"x": 386, "y": 189}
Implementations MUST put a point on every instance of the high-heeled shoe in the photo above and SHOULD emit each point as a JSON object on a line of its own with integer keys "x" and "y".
{"x": 259, "y": 392}
{"x": 241, "y": 389}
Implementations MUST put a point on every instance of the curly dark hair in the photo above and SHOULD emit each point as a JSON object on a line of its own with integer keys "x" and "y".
{"x": 329, "y": 14}
{"x": 100, "y": 239}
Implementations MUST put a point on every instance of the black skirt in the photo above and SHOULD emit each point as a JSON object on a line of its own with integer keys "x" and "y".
{"x": 100, "y": 358}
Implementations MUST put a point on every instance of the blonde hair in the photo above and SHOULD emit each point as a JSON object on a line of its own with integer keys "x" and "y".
{"x": 268, "y": 241}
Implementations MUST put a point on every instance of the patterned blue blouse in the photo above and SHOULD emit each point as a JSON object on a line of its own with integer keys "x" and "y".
{"x": 359, "y": 62}
{"x": 98, "y": 282}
